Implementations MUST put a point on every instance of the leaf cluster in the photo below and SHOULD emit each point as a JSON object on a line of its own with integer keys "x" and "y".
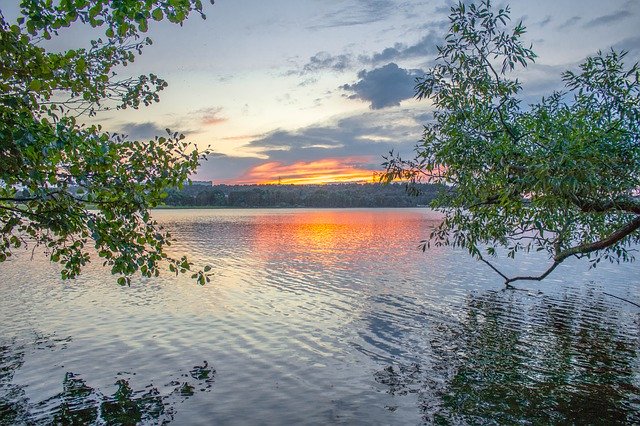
{"x": 73, "y": 188}
{"x": 560, "y": 176}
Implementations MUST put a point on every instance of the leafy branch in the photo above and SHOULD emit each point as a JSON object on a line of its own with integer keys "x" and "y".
{"x": 559, "y": 176}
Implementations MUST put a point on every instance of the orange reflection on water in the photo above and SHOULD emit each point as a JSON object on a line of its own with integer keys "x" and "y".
{"x": 321, "y": 236}
{"x": 341, "y": 237}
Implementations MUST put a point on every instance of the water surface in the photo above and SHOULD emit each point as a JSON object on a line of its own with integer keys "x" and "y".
{"x": 315, "y": 317}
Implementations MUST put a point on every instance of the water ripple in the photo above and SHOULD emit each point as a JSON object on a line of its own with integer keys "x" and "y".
{"x": 315, "y": 317}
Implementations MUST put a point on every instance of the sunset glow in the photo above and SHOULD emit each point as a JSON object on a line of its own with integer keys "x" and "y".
{"x": 332, "y": 238}
{"x": 328, "y": 170}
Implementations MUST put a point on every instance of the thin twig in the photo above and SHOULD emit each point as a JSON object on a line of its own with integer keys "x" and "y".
{"x": 623, "y": 299}
{"x": 493, "y": 267}
{"x": 532, "y": 278}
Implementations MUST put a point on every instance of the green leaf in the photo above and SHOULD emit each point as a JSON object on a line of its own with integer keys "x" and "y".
{"x": 157, "y": 14}
{"x": 81, "y": 65}
{"x": 35, "y": 85}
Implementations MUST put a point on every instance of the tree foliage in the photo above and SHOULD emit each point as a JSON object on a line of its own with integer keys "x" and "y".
{"x": 67, "y": 186}
{"x": 559, "y": 176}
{"x": 341, "y": 195}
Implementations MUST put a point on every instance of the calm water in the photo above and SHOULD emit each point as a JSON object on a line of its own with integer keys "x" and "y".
{"x": 315, "y": 317}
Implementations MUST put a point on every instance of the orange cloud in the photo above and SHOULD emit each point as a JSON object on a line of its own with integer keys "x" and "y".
{"x": 211, "y": 116}
{"x": 239, "y": 137}
{"x": 212, "y": 121}
{"x": 327, "y": 170}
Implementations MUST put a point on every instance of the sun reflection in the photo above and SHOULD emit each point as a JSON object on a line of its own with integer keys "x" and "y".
{"x": 320, "y": 238}
{"x": 339, "y": 238}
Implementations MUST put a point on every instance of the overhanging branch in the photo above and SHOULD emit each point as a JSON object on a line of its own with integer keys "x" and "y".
{"x": 616, "y": 236}
{"x": 560, "y": 257}
{"x": 553, "y": 266}
{"x": 628, "y": 204}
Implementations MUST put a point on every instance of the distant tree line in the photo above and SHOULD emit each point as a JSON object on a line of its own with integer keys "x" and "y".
{"x": 336, "y": 195}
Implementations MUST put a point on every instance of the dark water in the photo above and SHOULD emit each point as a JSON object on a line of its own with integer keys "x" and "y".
{"x": 315, "y": 317}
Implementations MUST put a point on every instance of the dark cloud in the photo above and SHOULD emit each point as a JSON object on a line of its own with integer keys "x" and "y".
{"x": 541, "y": 80}
{"x": 141, "y": 131}
{"x": 631, "y": 45}
{"x": 325, "y": 61}
{"x": 543, "y": 23}
{"x": 424, "y": 117}
{"x": 221, "y": 168}
{"x": 322, "y": 61}
{"x": 386, "y": 55}
{"x": 570, "y": 22}
{"x": 368, "y": 135}
{"x": 608, "y": 19}
{"x": 385, "y": 86}
{"x": 357, "y": 12}
{"x": 425, "y": 47}
{"x": 372, "y": 133}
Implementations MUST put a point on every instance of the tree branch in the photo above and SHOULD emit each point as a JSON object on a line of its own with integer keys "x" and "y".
{"x": 493, "y": 267}
{"x": 628, "y": 204}
{"x": 498, "y": 109}
{"x": 553, "y": 266}
{"x": 18, "y": 199}
{"x": 23, "y": 212}
{"x": 620, "y": 298}
{"x": 508, "y": 281}
{"x": 581, "y": 249}
{"x": 600, "y": 244}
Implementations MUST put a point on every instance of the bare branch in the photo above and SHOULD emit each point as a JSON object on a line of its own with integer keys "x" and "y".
{"x": 616, "y": 236}
{"x": 621, "y": 298}
{"x": 577, "y": 250}
{"x": 493, "y": 267}
{"x": 553, "y": 266}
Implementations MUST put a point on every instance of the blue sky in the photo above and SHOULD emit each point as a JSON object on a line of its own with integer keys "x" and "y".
{"x": 284, "y": 84}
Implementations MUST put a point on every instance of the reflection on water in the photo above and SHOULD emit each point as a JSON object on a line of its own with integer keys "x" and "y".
{"x": 528, "y": 359}
{"x": 79, "y": 403}
{"x": 317, "y": 317}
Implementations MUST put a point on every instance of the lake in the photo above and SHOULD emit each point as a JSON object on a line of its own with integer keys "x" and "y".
{"x": 316, "y": 317}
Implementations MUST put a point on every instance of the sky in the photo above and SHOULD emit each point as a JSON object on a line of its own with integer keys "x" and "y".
{"x": 311, "y": 91}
